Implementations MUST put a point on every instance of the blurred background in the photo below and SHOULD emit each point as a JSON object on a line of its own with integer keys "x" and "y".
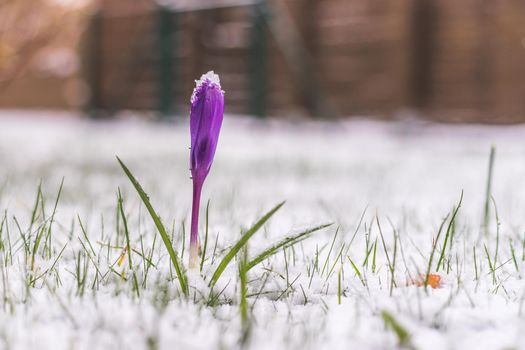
{"x": 443, "y": 60}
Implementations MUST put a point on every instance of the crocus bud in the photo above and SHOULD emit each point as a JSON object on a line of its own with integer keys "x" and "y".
{"x": 207, "y": 109}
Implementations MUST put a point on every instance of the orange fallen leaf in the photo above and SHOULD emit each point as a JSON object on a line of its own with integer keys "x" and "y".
{"x": 433, "y": 280}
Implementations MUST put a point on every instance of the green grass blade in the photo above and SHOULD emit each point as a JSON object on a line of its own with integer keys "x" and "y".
{"x": 35, "y": 208}
{"x": 203, "y": 257}
{"x": 128, "y": 246}
{"x": 339, "y": 288}
{"x": 357, "y": 272}
{"x": 329, "y": 252}
{"x": 488, "y": 190}
{"x": 84, "y": 232}
{"x": 162, "y": 230}
{"x": 403, "y": 336}
{"x": 47, "y": 242}
{"x": 243, "y": 302}
{"x": 38, "y": 239}
{"x": 374, "y": 257}
{"x": 285, "y": 243}
{"x": 449, "y": 230}
{"x": 240, "y": 243}
{"x": 513, "y": 254}
{"x": 434, "y": 247}
{"x": 496, "y": 216}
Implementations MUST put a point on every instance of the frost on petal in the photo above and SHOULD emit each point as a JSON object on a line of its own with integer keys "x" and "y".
{"x": 207, "y": 80}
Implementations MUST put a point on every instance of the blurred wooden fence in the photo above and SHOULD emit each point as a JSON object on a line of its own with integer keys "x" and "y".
{"x": 453, "y": 61}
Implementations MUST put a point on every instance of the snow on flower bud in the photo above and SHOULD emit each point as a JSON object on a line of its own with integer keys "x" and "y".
{"x": 207, "y": 109}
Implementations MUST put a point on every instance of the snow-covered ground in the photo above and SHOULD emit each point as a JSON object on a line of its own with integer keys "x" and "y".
{"x": 322, "y": 294}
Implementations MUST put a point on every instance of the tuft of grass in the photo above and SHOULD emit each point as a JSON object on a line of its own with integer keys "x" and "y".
{"x": 391, "y": 264}
{"x": 434, "y": 247}
{"x": 492, "y": 266}
{"x": 177, "y": 265}
{"x": 128, "y": 247}
{"x": 325, "y": 265}
{"x": 52, "y": 266}
{"x": 449, "y": 231}
{"x": 47, "y": 242}
{"x": 241, "y": 243}
{"x": 36, "y": 244}
{"x": 285, "y": 243}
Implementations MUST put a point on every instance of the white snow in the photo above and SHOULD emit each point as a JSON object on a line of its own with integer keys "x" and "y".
{"x": 408, "y": 174}
{"x": 209, "y": 77}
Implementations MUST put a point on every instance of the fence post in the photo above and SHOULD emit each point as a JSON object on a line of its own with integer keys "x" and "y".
{"x": 92, "y": 53}
{"x": 166, "y": 47}
{"x": 425, "y": 18}
{"x": 310, "y": 94}
{"x": 259, "y": 59}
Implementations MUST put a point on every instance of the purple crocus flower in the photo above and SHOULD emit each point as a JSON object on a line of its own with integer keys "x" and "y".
{"x": 207, "y": 109}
